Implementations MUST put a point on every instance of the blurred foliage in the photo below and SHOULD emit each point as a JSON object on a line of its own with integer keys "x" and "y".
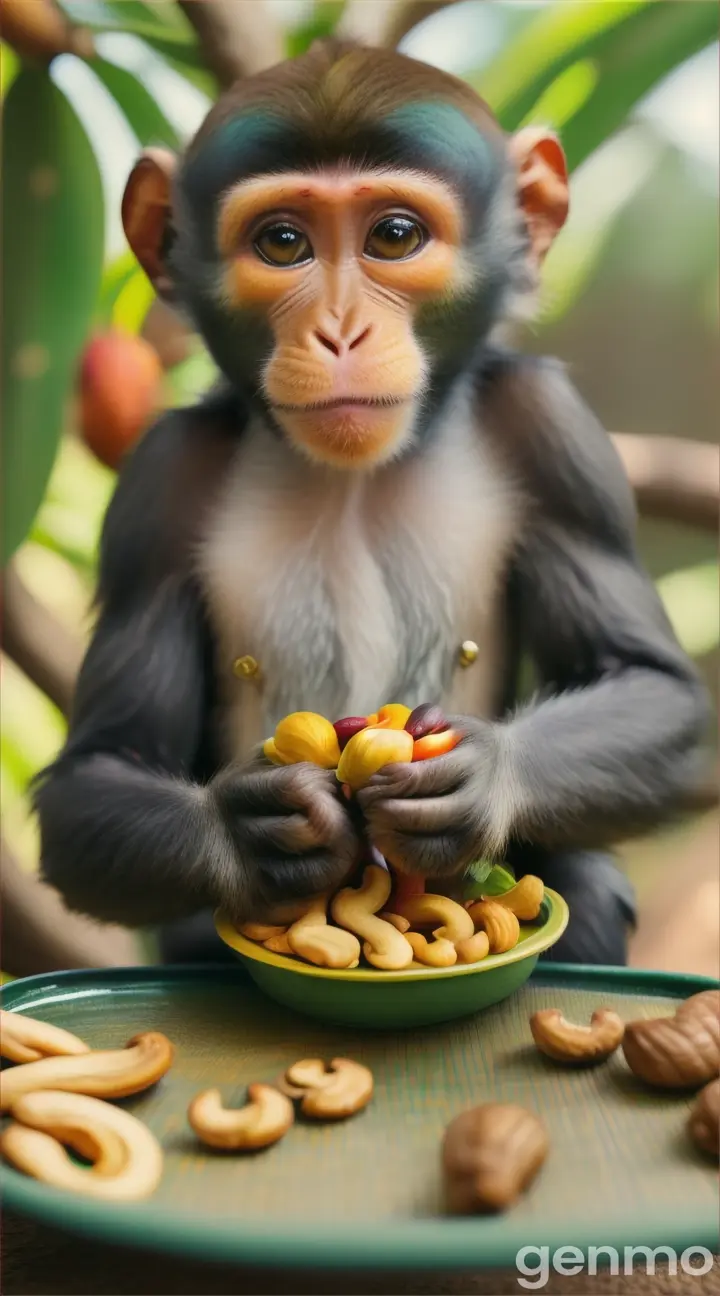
{"x": 582, "y": 67}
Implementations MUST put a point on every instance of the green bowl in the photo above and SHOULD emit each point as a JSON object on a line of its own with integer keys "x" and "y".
{"x": 418, "y": 996}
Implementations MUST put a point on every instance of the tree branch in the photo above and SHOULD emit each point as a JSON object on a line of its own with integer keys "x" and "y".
{"x": 384, "y": 23}
{"x": 36, "y": 641}
{"x": 673, "y": 480}
{"x": 237, "y": 39}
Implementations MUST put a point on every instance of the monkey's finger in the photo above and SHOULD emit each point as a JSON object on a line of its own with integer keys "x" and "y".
{"x": 429, "y": 815}
{"x": 429, "y": 778}
{"x": 305, "y": 876}
{"x": 428, "y": 856}
{"x": 272, "y": 833}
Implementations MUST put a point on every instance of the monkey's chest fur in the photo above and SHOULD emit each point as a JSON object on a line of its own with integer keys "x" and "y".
{"x": 351, "y": 590}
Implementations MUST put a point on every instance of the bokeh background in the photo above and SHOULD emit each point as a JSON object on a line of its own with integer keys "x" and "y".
{"x": 630, "y": 302}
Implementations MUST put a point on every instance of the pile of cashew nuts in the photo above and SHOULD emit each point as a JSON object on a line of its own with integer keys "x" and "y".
{"x": 58, "y": 1098}
{"x": 330, "y": 930}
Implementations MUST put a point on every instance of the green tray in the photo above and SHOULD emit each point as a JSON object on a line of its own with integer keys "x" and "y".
{"x": 366, "y": 1193}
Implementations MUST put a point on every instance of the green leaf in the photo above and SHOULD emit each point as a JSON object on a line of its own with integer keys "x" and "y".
{"x": 133, "y": 303}
{"x": 672, "y": 31}
{"x": 321, "y": 23}
{"x": 498, "y": 881}
{"x": 559, "y": 36}
{"x": 115, "y": 277}
{"x": 142, "y": 111}
{"x": 9, "y": 68}
{"x": 692, "y": 603}
{"x": 52, "y": 251}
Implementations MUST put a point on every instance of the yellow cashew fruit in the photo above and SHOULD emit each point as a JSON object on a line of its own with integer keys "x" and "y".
{"x": 392, "y": 716}
{"x": 368, "y": 751}
{"x": 304, "y": 736}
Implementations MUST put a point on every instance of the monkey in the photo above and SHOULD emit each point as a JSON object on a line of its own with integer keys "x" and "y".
{"x": 378, "y": 478}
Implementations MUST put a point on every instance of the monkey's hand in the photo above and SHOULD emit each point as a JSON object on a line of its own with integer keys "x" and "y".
{"x": 289, "y": 836}
{"x": 435, "y": 817}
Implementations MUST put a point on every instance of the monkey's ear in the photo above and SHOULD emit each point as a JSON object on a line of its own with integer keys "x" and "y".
{"x": 146, "y": 211}
{"x": 542, "y": 185}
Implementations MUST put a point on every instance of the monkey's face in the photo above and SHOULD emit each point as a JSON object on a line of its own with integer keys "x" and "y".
{"x": 339, "y": 263}
{"x": 343, "y": 230}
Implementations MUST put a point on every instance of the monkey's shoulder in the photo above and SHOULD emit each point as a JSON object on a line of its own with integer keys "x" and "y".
{"x": 165, "y": 489}
{"x": 565, "y": 458}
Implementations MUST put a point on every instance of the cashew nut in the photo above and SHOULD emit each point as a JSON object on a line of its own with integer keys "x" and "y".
{"x": 111, "y": 1073}
{"x": 305, "y": 1075}
{"x": 421, "y": 910}
{"x": 680, "y": 1052}
{"x": 279, "y": 945}
{"x": 128, "y": 1158}
{"x": 438, "y": 953}
{"x": 355, "y": 910}
{"x": 261, "y": 1122}
{"x": 500, "y": 923}
{"x": 475, "y": 949}
{"x": 704, "y": 1120}
{"x": 490, "y": 1155}
{"x": 525, "y": 898}
{"x": 261, "y": 931}
{"x": 331, "y": 1095}
{"x": 312, "y": 938}
{"x": 24, "y": 1039}
{"x": 396, "y": 920}
{"x": 565, "y": 1041}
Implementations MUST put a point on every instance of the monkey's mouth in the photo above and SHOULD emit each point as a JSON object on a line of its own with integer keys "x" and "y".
{"x": 344, "y": 402}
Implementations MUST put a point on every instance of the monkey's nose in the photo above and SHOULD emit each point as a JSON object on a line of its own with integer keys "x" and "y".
{"x": 337, "y": 344}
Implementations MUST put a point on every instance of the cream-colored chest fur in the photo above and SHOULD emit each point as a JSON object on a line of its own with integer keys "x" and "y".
{"x": 352, "y": 590}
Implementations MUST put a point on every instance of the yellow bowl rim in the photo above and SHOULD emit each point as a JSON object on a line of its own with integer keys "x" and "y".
{"x": 541, "y": 938}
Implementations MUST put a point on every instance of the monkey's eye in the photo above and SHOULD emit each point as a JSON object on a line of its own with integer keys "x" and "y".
{"x": 283, "y": 245}
{"x": 393, "y": 238}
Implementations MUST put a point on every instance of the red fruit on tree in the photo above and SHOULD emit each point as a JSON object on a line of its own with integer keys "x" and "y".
{"x": 120, "y": 389}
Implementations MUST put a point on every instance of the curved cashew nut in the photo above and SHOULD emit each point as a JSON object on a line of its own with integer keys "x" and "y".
{"x": 279, "y": 945}
{"x": 261, "y": 1122}
{"x": 500, "y": 923}
{"x": 24, "y": 1039}
{"x": 355, "y": 910}
{"x": 312, "y": 938}
{"x": 565, "y": 1041}
{"x": 421, "y": 910}
{"x": 111, "y": 1073}
{"x": 128, "y": 1158}
{"x": 438, "y": 953}
{"x": 396, "y": 920}
{"x": 331, "y": 1095}
{"x": 524, "y": 899}
{"x": 475, "y": 949}
{"x": 261, "y": 931}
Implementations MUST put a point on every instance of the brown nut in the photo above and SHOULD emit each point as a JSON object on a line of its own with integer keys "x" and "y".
{"x": 475, "y": 949}
{"x": 111, "y": 1073}
{"x": 261, "y": 932}
{"x": 355, "y": 909}
{"x": 524, "y": 899}
{"x": 331, "y": 1095}
{"x": 426, "y": 909}
{"x": 127, "y": 1158}
{"x": 279, "y": 945}
{"x": 264, "y": 1119}
{"x": 680, "y": 1052}
{"x": 438, "y": 953}
{"x": 312, "y": 938}
{"x": 565, "y": 1041}
{"x": 396, "y": 920}
{"x": 490, "y": 1154}
{"x": 24, "y": 1039}
{"x": 500, "y": 923}
{"x": 704, "y": 1120}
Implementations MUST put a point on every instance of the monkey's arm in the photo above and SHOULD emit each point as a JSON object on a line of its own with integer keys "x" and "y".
{"x": 129, "y": 833}
{"x": 613, "y": 743}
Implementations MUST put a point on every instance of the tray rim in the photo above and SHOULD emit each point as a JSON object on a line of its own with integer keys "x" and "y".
{"x": 540, "y": 939}
{"x": 412, "y": 1245}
